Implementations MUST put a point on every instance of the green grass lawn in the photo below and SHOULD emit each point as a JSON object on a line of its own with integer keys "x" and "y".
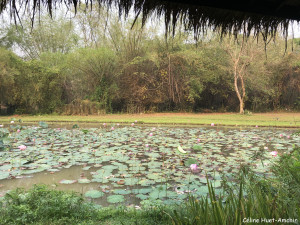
{"x": 229, "y": 119}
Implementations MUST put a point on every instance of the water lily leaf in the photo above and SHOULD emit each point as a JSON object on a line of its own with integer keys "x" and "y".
{"x": 142, "y": 196}
{"x": 203, "y": 180}
{"x": 6, "y": 167}
{"x": 63, "y": 159}
{"x": 4, "y": 175}
{"x": 142, "y": 191}
{"x": 93, "y": 194}
{"x": 43, "y": 124}
{"x": 197, "y": 147}
{"x": 115, "y": 198}
{"x": 203, "y": 190}
{"x": 131, "y": 181}
{"x": 216, "y": 183}
{"x": 67, "y": 181}
{"x": 190, "y": 161}
{"x": 84, "y": 181}
{"x": 154, "y": 176}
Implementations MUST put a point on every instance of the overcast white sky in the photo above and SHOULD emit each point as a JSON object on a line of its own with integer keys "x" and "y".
{"x": 5, "y": 20}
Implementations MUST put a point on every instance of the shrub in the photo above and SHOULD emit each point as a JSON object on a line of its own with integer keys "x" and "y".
{"x": 41, "y": 204}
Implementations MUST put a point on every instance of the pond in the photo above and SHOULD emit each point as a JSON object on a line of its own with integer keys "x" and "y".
{"x": 110, "y": 163}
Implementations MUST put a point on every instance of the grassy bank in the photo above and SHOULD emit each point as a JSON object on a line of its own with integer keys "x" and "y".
{"x": 228, "y": 119}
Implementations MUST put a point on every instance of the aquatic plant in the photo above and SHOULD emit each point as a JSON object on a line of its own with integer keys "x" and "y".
{"x": 128, "y": 157}
{"x": 194, "y": 167}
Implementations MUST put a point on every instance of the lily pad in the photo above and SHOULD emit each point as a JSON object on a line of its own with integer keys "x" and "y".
{"x": 67, "y": 181}
{"x": 93, "y": 194}
{"x": 197, "y": 147}
{"x": 115, "y": 198}
{"x": 190, "y": 161}
{"x": 84, "y": 181}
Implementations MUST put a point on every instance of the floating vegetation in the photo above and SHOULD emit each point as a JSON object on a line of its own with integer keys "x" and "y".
{"x": 128, "y": 163}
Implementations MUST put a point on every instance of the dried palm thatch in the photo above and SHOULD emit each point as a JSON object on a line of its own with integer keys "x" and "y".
{"x": 264, "y": 17}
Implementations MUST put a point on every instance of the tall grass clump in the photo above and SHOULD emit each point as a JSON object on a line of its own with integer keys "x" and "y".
{"x": 287, "y": 172}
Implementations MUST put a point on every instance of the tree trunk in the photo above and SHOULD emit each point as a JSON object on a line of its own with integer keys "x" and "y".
{"x": 241, "y": 99}
{"x": 242, "y": 107}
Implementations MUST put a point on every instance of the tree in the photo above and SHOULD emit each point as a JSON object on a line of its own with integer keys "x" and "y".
{"x": 241, "y": 54}
{"x": 94, "y": 75}
{"x": 48, "y": 35}
{"x": 9, "y": 64}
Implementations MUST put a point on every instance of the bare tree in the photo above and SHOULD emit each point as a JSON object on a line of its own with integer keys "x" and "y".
{"x": 241, "y": 55}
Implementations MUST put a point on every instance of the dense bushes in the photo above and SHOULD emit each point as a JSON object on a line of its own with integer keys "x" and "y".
{"x": 135, "y": 70}
{"x": 41, "y": 205}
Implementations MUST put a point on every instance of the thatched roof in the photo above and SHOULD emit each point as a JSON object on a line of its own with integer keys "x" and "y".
{"x": 225, "y": 16}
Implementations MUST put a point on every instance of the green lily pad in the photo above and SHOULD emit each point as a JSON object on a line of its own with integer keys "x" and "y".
{"x": 4, "y": 175}
{"x": 115, "y": 198}
{"x": 142, "y": 196}
{"x": 197, "y": 147}
{"x": 84, "y": 181}
{"x": 67, "y": 181}
{"x": 190, "y": 161}
{"x": 93, "y": 194}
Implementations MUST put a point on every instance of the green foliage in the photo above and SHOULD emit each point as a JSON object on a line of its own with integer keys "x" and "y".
{"x": 190, "y": 161}
{"x": 95, "y": 70}
{"x": 42, "y": 205}
{"x": 252, "y": 198}
{"x": 287, "y": 169}
{"x": 9, "y": 69}
{"x": 75, "y": 126}
{"x": 3, "y": 136}
{"x": 197, "y": 147}
{"x": 108, "y": 66}
{"x": 46, "y": 36}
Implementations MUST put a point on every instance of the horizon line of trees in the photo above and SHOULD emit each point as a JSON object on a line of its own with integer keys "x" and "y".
{"x": 98, "y": 64}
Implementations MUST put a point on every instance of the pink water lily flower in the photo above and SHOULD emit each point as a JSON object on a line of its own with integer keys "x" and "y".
{"x": 135, "y": 121}
{"x": 22, "y": 147}
{"x": 112, "y": 128}
{"x": 132, "y": 124}
{"x": 146, "y": 145}
{"x": 212, "y": 124}
{"x": 198, "y": 140}
{"x": 151, "y": 134}
{"x": 274, "y": 153}
{"x": 104, "y": 124}
{"x": 194, "y": 167}
{"x": 18, "y": 131}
